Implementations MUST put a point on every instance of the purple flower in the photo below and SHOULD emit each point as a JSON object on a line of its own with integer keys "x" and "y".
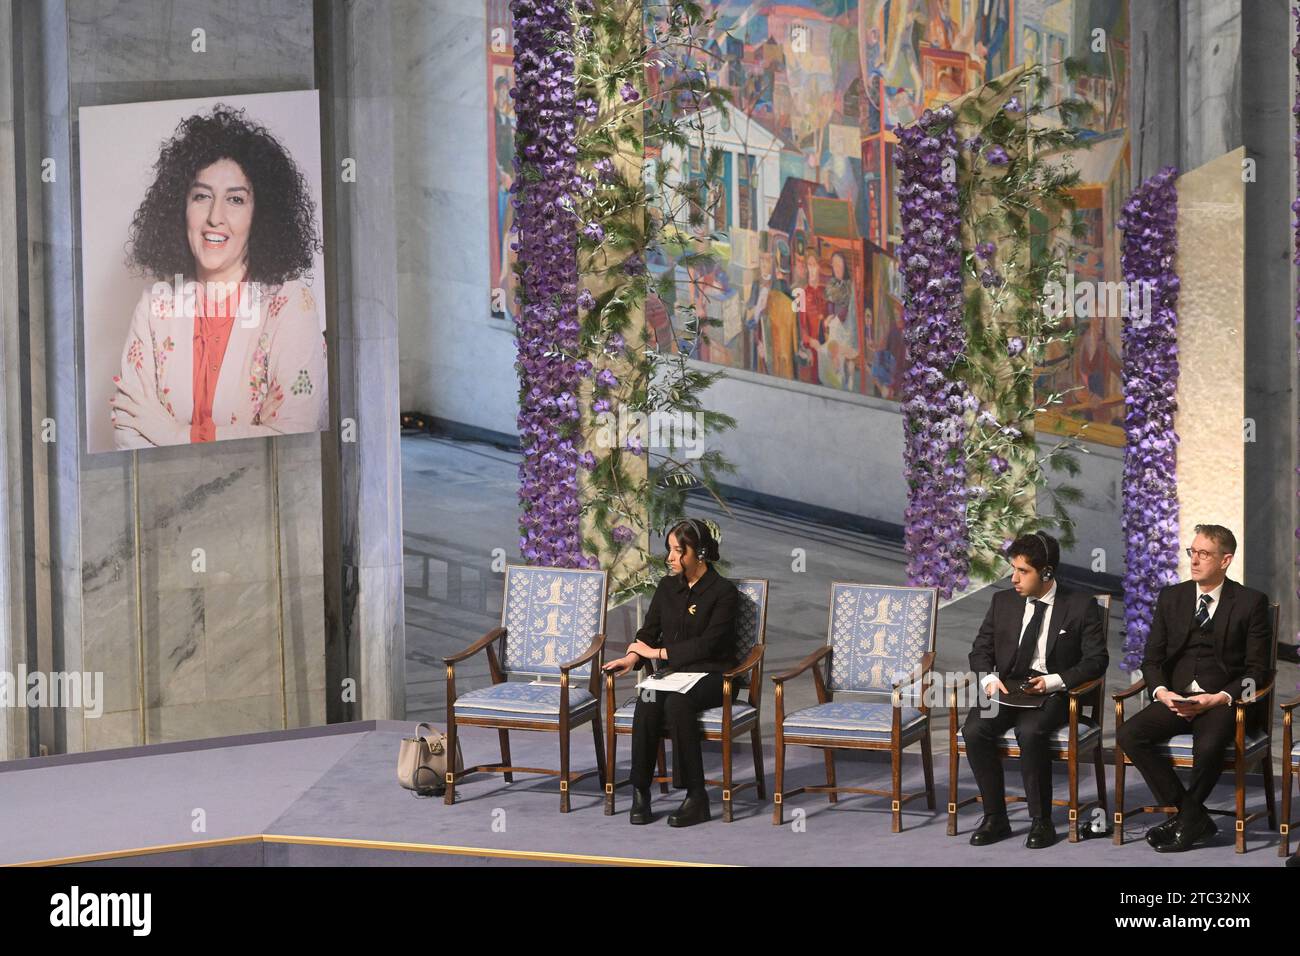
{"x": 606, "y": 379}
{"x": 629, "y": 93}
{"x": 996, "y": 156}
{"x": 990, "y": 279}
{"x": 1149, "y": 510}
{"x": 622, "y": 534}
{"x": 586, "y": 300}
{"x": 1015, "y": 346}
{"x": 1013, "y": 105}
{"x": 998, "y": 465}
{"x": 595, "y": 231}
{"x": 985, "y": 250}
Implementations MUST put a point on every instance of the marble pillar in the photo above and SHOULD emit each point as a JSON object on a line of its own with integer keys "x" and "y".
{"x": 1211, "y": 353}
{"x": 366, "y": 643}
{"x": 237, "y": 645}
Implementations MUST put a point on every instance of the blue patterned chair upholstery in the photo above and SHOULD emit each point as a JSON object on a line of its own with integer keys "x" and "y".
{"x": 1290, "y": 771}
{"x": 879, "y": 645}
{"x": 1080, "y": 735}
{"x": 552, "y": 626}
{"x": 727, "y": 723}
{"x": 1245, "y": 751}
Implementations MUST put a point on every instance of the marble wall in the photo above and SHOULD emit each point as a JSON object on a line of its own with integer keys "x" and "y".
{"x": 238, "y": 646}
{"x": 457, "y": 361}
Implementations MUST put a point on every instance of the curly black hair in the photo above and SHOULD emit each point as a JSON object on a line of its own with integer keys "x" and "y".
{"x": 283, "y": 237}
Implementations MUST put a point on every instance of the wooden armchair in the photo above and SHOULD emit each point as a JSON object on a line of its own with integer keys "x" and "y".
{"x": 1080, "y": 735}
{"x": 552, "y": 624}
{"x": 1290, "y": 766}
{"x": 1246, "y": 750}
{"x": 728, "y": 723}
{"x": 880, "y": 641}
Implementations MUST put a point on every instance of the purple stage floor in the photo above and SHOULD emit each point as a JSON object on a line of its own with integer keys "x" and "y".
{"x": 337, "y": 784}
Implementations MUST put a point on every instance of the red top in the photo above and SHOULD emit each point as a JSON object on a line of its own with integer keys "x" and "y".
{"x": 211, "y": 336}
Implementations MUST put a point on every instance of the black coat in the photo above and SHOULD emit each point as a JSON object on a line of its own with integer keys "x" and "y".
{"x": 696, "y": 624}
{"x": 1075, "y": 648}
{"x": 1242, "y": 627}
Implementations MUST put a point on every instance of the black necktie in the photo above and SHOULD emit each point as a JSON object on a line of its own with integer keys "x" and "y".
{"x": 1203, "y": 611}
{"x": 1029, "y": 641}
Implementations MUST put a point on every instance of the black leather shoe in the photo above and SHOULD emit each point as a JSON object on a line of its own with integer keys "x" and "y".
{"x": 1294, "y": 861}
{"x": 694, "y": 809}
{"x": 1162, "y": 833}
{"x": 1187, "y": 834}
{"x": 640, "y": 807}
{"x": 990, "y": 830}
{"x": 1041, "y": 833}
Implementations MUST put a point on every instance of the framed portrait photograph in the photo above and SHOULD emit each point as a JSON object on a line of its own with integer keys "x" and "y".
{"x": 202, "y": 270}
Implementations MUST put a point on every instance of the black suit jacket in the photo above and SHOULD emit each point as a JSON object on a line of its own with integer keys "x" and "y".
{"x": 697, "y": 624}
{"x": 1243, "y": 636}
{"x": 1075, "y": 647}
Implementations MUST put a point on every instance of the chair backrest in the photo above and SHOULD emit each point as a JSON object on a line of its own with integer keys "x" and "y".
{"x": 751, "y": 620}
{"x": 1103, "y": 601}
{"x": 1269, "y": 704}
{"x": 878, "y": 634}
{"x": 550, "y": 616}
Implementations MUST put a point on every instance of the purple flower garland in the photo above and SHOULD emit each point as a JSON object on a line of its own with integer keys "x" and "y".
{"x": 547, "y": 324}
{"x": 1150, "y": 490}
{"x": 934, "y": 402}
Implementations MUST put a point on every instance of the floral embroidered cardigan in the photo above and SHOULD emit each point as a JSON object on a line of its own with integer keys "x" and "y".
{"x": 273, "y": 376}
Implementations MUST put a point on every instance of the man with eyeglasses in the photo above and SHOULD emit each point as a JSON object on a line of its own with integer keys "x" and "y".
{"x": 1209, "y": 645}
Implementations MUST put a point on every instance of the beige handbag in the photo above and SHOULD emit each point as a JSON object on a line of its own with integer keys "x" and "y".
{"x": 422, "y": 761}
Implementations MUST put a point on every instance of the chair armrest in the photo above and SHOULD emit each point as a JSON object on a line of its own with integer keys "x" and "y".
{"x": 597, "y": 645}
{"x": 477, "y": 646}
{"x": 802, "y": 666}
{"x": 1259, "y": 696}
{"x": 748, "y": 664}
{"x": 1086, "y": 687}
{"x": 1290, "y": 705}
{"x": 1126, "y": 694}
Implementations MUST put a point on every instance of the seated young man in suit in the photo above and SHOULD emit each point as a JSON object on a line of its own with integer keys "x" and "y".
{"x": 1048, "y": 638}
{"x": 1210, "y": 642}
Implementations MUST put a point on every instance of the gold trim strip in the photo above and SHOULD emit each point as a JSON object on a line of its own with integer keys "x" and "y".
{"x": 392, "y": 845}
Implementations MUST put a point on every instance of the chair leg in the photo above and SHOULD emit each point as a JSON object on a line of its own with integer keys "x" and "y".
{"x": 564, "y": 769}
{"x": 504, "y": 736}
{"x": 953, "y": 758}
{"x": 611, "y": 765}
{"x": 1101, "y": 778}
{"x": 756, "y": 739}
{"x": 600, "y": 750}
{"x": 896, "y": 768}
{"x": 1284, "y": 848}
{"x": 449, "y": 796}
{"x": 1241, "y": 806}
{"x": 778, "y": 795}
{"x": 726, "y": 778}
{"x": 663, "y": 767}
{"x": 1072, "y": 769}
{"x": 927, "y": 764}
{"x": 1119, "y": 797}
{"x": 1268, "y": 792}
{"x": 830, "y": 774}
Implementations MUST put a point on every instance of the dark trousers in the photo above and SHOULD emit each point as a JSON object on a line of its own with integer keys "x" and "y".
{"x": 1211, "y": 732}
{"x": 679, "y": 716}
{"x": 983, "y": 731}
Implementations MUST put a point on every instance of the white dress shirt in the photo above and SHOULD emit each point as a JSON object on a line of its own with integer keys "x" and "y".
{"x": 1196, "y": 688}
{"x": 1039, "y": 662}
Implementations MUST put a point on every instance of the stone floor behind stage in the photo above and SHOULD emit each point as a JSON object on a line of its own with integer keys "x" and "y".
{"x": 460, "y": 504}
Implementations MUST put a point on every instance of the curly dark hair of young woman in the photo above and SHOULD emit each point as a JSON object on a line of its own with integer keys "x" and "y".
{"x": 283, "y": 236}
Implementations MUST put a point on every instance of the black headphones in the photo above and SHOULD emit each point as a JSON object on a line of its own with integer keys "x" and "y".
{"x": 708, "y": 550}
{"x": 1049, "y": 567}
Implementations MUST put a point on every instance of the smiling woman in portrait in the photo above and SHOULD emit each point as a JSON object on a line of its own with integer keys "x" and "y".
{"x": 227, "y": 343}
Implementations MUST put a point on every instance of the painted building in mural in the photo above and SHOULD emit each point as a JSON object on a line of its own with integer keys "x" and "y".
{"x": 803, "y": 222}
